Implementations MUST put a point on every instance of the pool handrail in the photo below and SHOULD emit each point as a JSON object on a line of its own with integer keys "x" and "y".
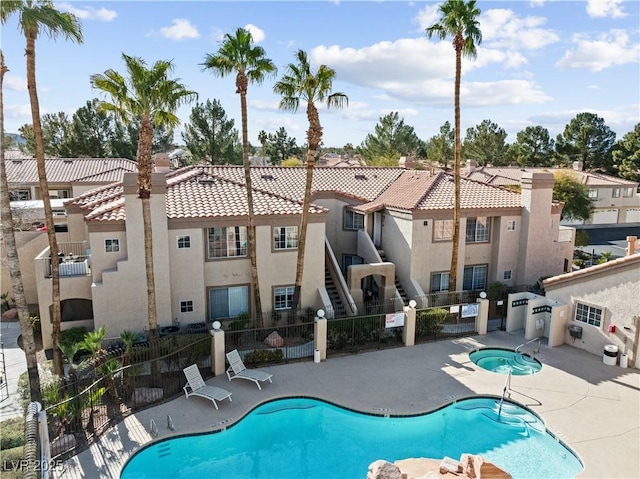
{"x": 517, "y": 350}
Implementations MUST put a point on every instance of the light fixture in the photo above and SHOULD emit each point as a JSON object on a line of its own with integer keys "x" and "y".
{"x": 320, "y": 313}
{"x": 483, "y": 295}
{"x": 412, "y": 303}
{"x": 216, "y": 325}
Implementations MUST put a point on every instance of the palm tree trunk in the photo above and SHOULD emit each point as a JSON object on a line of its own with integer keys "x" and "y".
{"x": 252, "y": 225}
{"x": 44, "y": 194}
{"x": 453, "y": 271}
{"x": 13, "y": 263}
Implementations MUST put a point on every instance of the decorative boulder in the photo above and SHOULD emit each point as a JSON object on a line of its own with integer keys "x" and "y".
{"x": 383, "y": 470}
{"x": 10, "y": 314}
{"x": 274, "y": 340}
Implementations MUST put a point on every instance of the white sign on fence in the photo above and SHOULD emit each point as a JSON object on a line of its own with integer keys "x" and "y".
{"x": 454, "y": 309}
{"x": 394, "y": 320}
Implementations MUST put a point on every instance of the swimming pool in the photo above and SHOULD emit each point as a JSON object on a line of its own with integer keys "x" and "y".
{"x": 308, "y": 438}
{"x": 503, "y": 361}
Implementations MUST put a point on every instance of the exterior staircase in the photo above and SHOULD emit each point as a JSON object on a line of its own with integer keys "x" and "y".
{"x": 399, "y": 287}
{"x": 332, "y": 291}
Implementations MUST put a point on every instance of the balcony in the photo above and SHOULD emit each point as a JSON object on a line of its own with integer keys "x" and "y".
{"x": 74, "y": 259}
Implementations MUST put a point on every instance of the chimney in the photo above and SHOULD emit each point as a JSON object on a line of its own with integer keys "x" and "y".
{"x": 632, "y": 245}
{"x": 471, "y": 165}
{"x": 577, "y": 165}
{"x": 161, "y": 162}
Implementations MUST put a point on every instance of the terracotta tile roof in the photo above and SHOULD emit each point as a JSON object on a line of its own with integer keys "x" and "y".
{"x": 406, "y": 193}
{"x": 507, "y": 176}
{"x": 603, "y": 268}
{"x": 70, "y": 170}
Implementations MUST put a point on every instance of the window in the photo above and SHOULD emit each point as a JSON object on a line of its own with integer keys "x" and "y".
{"x": 506, "y": 276}
{"x": 285, "y": 237}
{"x": 593, "y": 192}
{"x": 20, "y": 195}
{"x": 589, "y": 314}
{"x": 228, "y": 302}
{"x": 615, "y": 193}
{"x": 112, "y": 245}
{"x": 475, "y": 277}
{"x": 439, "y": 282}
{"x": 478, "y": 229}
{"x": 186, "y": 306}
{"x": 227, "y": 242}
{"x": 511, "y": 225}
{"x": 283, "y": 297}
{"x": 442, "y": 230}
{"x": 184, "y": 242}
{"x": 349, "y": 259}
{"x": 59, "y": 194}
{"x": 353, "y": 220}
{"x": 627, "y": 192}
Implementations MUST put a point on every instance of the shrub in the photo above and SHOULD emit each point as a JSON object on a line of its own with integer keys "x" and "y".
{"x": 429, "y": 322}
{"x": 72, "y": 336}
{"x": 9, "y": 457}
{"x": 261, "y": 356}
{"x": 12, "y": 433}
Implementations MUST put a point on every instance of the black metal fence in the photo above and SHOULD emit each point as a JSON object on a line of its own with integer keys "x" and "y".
{"x": 433, "y": 324}
{"x": 362, "y": 333}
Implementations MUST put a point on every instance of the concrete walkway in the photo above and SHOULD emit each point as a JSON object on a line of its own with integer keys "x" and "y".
{"x": 15, "y": 364}
{"x": 592, "y": 407}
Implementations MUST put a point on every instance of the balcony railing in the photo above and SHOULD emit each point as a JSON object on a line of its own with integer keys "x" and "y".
{"x": 74, "y": 259}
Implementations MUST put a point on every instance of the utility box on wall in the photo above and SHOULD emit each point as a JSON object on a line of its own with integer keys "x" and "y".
{"x": 575, "y": 332}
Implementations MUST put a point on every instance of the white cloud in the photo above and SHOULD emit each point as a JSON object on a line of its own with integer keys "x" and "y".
{"x": 257, "y": 34}
{"x": 609, "y": 49}
{"x": 605, "y": 8}
{"x": 427, "y": 17}
{"x": 504, "y": 28}
{"x": 181, "y": 28}
{"x": 537, "y": 3}
{"x": 19, "y": 111}
{"x": 273, "y": 124}
{"x": 264, "y": 105}
{"x": 89, "y": 13}
{"x": 15, "y": 83}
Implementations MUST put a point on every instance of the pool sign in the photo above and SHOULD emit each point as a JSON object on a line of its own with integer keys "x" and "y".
{"x": 469, "y": 310}
{"x": 394, "y": 320}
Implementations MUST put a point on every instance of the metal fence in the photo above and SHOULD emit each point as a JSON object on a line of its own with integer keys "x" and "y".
{"x": 361, "y": 333}
{"x": 433, "y": 324}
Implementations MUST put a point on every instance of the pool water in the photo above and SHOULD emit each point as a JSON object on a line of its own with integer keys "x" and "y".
{"x": 306, "y": 438}
{"x": 504, "y": 361}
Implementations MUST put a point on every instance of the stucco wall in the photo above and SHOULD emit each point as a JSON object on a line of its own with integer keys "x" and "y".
{"x": 396, "y": 241}
{"x": 30, "y": 244}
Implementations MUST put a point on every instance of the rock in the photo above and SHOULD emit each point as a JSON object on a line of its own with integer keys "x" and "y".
{"x": 466, "y": 463}
{"x": 274, "y": 340}
{"x": 449, "y": 465}
{"x": 383, "y": 470}
{"x": 62, "y": 444}
{"x": 147, "y": 395}
{"x": 487, "y": 470}
{"x": 10, "y": 314}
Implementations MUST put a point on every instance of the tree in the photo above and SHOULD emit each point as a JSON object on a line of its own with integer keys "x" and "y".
{"x": 262, "y": 138}
{"x": 13, "y": 263}
{"x": 36, "y": 17}
{"x": 626, "y": 155}
{"x": 575, "y": 196}
{"x": 150, "y": 98}
{"x": 29, "y": 145}
{"x": 440, "y": 147}
{"x": 589, "y": 140}
{"x": 9, "y": 142}
{"x": 458, "y": 19}
{"x": 211, "y": 137}
{"x": 300, "y": 83}
{"x": 238, "y": 54}
{"x": 392, "y": 139}
{"x": 91, "y": 132}
{"x": 486, "y": 143}
{"x": 280, "y": 146}
{"x": 533, "y": 147}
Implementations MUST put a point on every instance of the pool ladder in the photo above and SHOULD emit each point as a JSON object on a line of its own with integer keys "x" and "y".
{"x": 536, "y": 351}
{"x": 507, "y": 387}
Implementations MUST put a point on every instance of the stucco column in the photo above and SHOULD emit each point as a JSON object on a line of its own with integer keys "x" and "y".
{"x": 320, "y": 336}
{"x": 483, "y": 316}
{"x": 409, "y": 332}
{"x": 217, "y": 352}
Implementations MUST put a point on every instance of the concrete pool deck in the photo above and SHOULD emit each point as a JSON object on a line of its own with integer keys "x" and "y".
{"x": 592, "y": 407}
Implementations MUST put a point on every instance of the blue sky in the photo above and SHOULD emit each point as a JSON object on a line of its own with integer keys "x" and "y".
{"x": 540, "y": 62}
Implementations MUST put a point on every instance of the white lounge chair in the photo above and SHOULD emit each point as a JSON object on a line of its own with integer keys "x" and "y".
{"x": 196, "y": 387}
{"x": 237, "y": 367}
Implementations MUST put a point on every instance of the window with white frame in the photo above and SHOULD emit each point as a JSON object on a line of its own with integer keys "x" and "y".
{"x": 184, "y": 242}
{"x": 615, "y": 193}
{"x": 285, "y": 237}
{"x": 627, "y": 192}
{"x": 59, "y": 194}
{"x": 440, "y": 281}
{"x": 112, "y": 245}
{"x": 478, "y": 229}
{"x": 228, "y": 302}
{"x": 511, "y": 225}
{"x": 283, "y": 297}
{"x": 506, "y": 275}
{"x": 442, "y": 230}
{"x": 589, "y": 314}
{"x": 19, "y": 195}
{"x": 227, "y": 242}
{"x": 593, "y": 193}
{"x": 186, "y": 306}
{"x": 475, "y": 277}
{"x": 353, "y": 221}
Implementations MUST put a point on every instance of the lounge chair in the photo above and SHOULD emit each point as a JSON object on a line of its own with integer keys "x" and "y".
{"x": 237, "y": 367}
{"x": 196, "y": 387}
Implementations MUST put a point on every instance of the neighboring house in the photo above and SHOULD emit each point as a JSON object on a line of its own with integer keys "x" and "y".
{"x": 603, "y": 301}
{"x": 615, "y": 200}
{"x": 385, "y": 229}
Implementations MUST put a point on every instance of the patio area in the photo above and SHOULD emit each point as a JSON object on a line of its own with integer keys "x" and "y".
{"x": 594, "y": 408}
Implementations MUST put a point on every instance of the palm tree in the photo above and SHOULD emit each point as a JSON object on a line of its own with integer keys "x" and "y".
{"x": 13, "y": 263}
{"x": 458, "y": 20}
{"x": 262, "y": 138}
{"x": 300, "y": 84}
{"x": 36, "y": 16}
{"x": 239, "y": 54}
{"x": 150, "y": 98}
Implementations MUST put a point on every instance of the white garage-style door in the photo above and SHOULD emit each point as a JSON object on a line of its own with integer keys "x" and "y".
{"x": 633, "y": 215}
{"x": 605, "y": 217}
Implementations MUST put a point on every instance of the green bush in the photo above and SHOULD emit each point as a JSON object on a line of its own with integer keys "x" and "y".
{"x": 72, "y": 336}
{"x": 12, "y": 433}
{"x": 9, "y": 457}
{"x": 35, "y": 324}
{"x": 261, "y": 356}
{"x": 429, "y": 322}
